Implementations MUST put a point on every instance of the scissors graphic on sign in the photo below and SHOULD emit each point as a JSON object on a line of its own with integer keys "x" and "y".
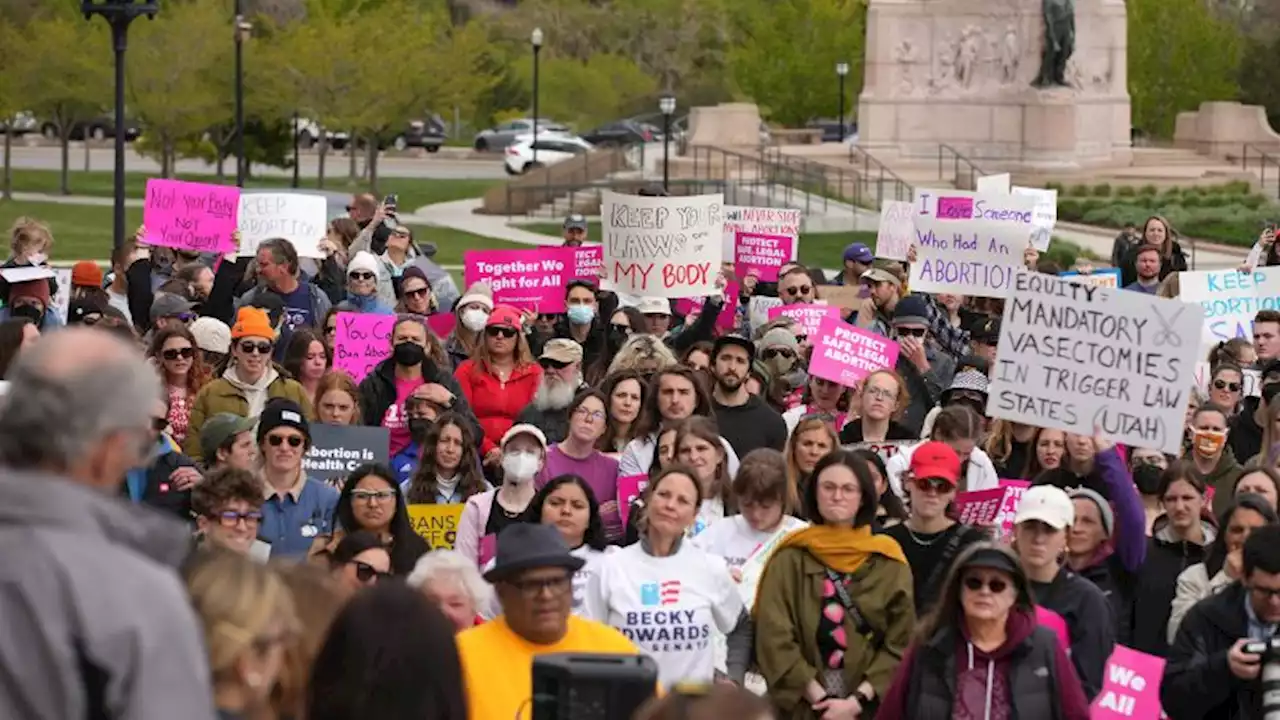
{"x": 1167, "y": 335}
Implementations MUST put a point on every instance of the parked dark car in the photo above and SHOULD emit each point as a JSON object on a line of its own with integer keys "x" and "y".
{"x": 831, "y": 128}
{"x": 623, "y": 132}
{"x": 99, "y": 128}
{"x": 428, "y": 134}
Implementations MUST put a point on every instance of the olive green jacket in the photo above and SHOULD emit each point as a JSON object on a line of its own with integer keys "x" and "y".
{"x": 220, "y": 396}
{"x": 788, "y": 606}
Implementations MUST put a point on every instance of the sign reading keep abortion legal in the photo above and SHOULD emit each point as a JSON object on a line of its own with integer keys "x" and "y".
{"x": 1230, "y": 299}
{"x": 969, "y": 243}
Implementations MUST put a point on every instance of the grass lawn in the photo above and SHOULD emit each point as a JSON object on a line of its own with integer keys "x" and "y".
{"x": 824, "y": 249}
{"x": 84, "y": 231}
{"x": 414, "y": 192}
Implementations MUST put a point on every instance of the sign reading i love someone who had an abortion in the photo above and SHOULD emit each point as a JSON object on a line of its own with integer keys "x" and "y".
{"x": 969, "y": 243}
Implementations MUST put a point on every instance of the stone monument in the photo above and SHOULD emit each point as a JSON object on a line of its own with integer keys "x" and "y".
{"x": 1020, "y": 85}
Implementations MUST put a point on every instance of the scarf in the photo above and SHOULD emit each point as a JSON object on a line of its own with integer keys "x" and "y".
{"x": 841, "y": 549}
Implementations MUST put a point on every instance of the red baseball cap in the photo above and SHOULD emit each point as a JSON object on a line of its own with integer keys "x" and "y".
{"x": 936, "y": 460}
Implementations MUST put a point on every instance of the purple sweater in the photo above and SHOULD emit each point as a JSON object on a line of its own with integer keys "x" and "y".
{"x": 601, "y": 473}
{"x": 1130, "y": 535}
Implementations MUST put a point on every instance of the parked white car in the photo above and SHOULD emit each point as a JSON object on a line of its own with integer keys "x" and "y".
{"x": 308, "y": 132}
{"x": 553, "y": 147}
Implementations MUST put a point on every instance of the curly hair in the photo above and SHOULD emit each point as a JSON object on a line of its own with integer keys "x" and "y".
{"x": 198, "y": 375}
{"x": 223, "y": 486}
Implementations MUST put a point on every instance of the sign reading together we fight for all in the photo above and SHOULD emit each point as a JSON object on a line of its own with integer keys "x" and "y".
{"x": 532, "y": 279}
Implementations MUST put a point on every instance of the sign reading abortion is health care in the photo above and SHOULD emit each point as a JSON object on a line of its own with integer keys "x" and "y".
{"x": 336, "y": 450}
{"x": 1079, "y": 358}
{"x": 969, "y": 244}
{"x": 1230, "y": 299}
{"x": 527, "y": 279}
{"x": 662, "y": 246}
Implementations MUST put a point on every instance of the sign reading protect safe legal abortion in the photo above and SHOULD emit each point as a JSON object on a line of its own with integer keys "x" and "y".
{"x": 760, "y": 220}
{"x": 969, "y": 244}
{"x": 1079, "y": 358}
{"x": 662, "y": 246}
{"x": 527, "y": 279}
{"x": 845, "y": 354}
{"x": 191, "y": 216}
{"x": 763, "y": 255}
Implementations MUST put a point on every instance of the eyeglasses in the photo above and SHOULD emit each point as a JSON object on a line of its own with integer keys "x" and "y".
{"x": 278, "y": 440}
{"x": 556, "y": 586}
{"x": 772, "y": 353}
{"x": 367, "y": 573}
{"x": 350, "y": 208}
{"x": 1224, "y": 385}
{"x": 996, "y": 585}
{"x": 586, "y": 414}
{"x": 361, "y": 275}
{"x": 935, "y": 485}
{"x": 624, "y": 329}
{"x": 879, "y": 393}
{"x": 372, "y": 496}
{"x": 250, "y": 347}
{"x": 159, "y": 424}
{"x": 503, "y": 332}
{"x": 1268, "y": 593}
{"x": 231, "y": 518}
{"x": 549, "y": 364}
{"x": 172, "y": 354}
{"x": 799, "y": 290}
{"x": 912, "y": 332}
{"x": 417, "y": 293}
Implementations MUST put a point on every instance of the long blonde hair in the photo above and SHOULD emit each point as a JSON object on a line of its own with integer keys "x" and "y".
{"x": 794, "y": 474}
{"x": 484, "y": 361}
{"x": 238, "y": 602}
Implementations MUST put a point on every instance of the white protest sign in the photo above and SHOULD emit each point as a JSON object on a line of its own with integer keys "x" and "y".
{"x": 994, "y": 184}
{"x": 759, "y": 221}
{"x": 969, "y": 244}
{"x": 1080, "y": 358}
{"x": 1098, "y": 278}
{"x": 1044, "y": 216}
{"x": 300, "y": 219}
{"x": 662, "y": 246}
{"x": 62, "y": 299}
{"x": 897, "y": 229}
{"x": 1230, "y": 299}
{"x": 1252, "y": 380}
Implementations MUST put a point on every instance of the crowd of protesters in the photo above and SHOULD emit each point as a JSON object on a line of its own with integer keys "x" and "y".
{"x": 167, "y": 554}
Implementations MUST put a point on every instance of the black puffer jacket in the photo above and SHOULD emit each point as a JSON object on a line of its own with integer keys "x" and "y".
{"x": 1157, "y": 584}
{"x": 1198, "y": 682}
{"x": 378, "y": 392}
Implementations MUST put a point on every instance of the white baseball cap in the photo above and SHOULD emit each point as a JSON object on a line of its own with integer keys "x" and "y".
{"x": 1049, "y": 504}
{"x": 654, "y": 306}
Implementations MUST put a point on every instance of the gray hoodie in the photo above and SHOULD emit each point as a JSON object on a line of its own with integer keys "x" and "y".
{"x": 94, "y": 620}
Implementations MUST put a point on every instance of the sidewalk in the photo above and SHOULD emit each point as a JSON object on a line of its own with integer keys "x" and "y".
{"x": 460, "y": 215}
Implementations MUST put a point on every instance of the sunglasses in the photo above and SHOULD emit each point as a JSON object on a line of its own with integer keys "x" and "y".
{"x": 502, "y": 332}
{"x": 249, "y": 348}
{"x": 799, "y": 290}
{"x": 185, "y": 317}
{"x": 159, "y": 424}
{"x": 350, "y": 208}
{"x": 624, "y": 329}
{"x": 801, "y": 338}
{"x": 974, "y": 583}
{"x": 278, "y": 440}
{"x": 331, "y": 330}
{"x": 1224, "y": 385}
{"x": 372, "y": 495}
{"x": 417, "y": 293}
{"x": 935, "y": 485}
{"x": 772, "y": 353}
{"x": 549, "y": 364}
{"x": 172, "y": 354}
{"x": 231, "y": 518}
{"x": 912, "y": 332}
{"x": 367, "y": 573}
{"x": 361, "y": 275}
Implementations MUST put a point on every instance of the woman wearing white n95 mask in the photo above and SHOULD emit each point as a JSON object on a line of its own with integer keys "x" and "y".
{"x": 524, "y": 451}
{"x": 472, "y": 310}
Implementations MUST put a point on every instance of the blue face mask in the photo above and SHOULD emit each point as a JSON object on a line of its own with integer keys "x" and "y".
{"x": 581, "y": 314}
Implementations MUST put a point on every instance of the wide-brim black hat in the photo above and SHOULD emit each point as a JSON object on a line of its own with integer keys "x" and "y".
{"x": 525, "y": 546}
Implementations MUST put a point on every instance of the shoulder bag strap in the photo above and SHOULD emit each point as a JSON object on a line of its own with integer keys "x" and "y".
{"x": 873, "y": 635}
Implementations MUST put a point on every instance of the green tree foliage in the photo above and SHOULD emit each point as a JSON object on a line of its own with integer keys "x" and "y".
{"x": 1258, "y": 82}
{"x": 785, "y": 52}
{"x": 587, "y": 93}
{"x": 1180, "y": 55}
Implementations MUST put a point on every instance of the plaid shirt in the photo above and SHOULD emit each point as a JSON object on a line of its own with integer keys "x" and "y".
{"x": 950, "y": 339}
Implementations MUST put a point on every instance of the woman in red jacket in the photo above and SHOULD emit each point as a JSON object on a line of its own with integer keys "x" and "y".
{"x": 499, "y": 379}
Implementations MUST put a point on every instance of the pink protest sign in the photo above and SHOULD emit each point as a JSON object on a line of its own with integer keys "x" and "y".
{"x": 1009, "y": 500}
{"x": 955, "y": 208}
{"x": 629, "y": 488}
{"x": 1130, "y": 686}
{"x": 728, "y": 311}
{"x": 442, "y": 324}
{"x": 1052, "y": 620}
{"x": 978, "y": 507}
{"x": 845, "y": 354}
{"x": 587, "y": 261}
{"x": 488, "y": 548}
{"x": 191, "y": 216}
{"x": 807, "y": 315}
{"x": 761, "y": 254}
{"x": 532, "y": 279}
{"x": 363, "y": 340}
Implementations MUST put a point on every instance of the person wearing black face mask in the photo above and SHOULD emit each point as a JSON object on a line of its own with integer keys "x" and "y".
{"x": 1245, "y": 429}
{"x": 1147, "y": 466}
{"x": 410, "y": 372}
{"x": 31, "y": 300}
{"x": 420, "y": 414}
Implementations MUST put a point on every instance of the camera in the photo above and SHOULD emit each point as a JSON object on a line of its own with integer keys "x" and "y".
{"x": 1269, "y": 651}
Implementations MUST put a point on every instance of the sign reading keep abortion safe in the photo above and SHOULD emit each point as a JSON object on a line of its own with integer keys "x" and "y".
{"x": 969, "y": 243}
{"x": 662, "y": 246}
{"x": 1080, "y": 358}
{"x": 1230, "y": 299}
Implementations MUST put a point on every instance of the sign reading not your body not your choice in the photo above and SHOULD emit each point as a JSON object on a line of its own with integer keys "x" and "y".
{"x": 662, "y": 246}
{"x": 1085, "y": 359}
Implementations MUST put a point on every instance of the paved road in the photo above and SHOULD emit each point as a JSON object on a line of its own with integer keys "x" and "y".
{"x": 102, "y": 159}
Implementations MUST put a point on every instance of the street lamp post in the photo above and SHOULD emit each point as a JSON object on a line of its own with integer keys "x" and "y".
{"x": 667, "y": 104}
{"x": 535, "y": 39}
{"x": 242, "y": 29}
{"x": 119, "y": 14}
{"x": 842, "y": 69}
{"x": 297, "y": 161}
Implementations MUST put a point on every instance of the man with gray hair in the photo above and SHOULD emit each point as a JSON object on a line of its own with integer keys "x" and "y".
{"x": 94, "y": 619}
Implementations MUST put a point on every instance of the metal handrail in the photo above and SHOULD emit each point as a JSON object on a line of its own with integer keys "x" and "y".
{"x": 902, "y": 190}
{"x": 1265, "y": 160}
{"x": 975, "y": 172}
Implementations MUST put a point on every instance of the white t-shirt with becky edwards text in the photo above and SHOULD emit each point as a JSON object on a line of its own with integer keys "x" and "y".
{"x": 668, "y": 606}
{"x": 734, "y": 540}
